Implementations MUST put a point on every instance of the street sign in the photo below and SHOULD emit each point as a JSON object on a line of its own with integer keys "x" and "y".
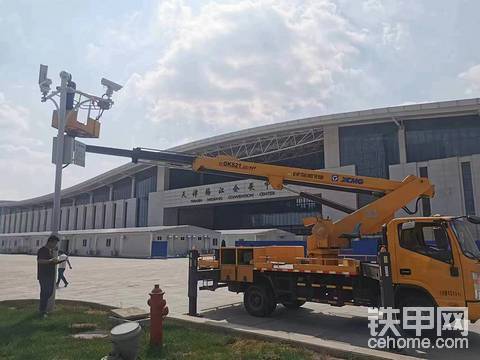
{"x": 79, "y": 153}
{"x": 73, "y": 151}
{"x": 67, "y": 150}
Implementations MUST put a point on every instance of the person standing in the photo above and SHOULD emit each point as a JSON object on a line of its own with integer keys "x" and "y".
{"x": 46, "y": 272}
{"x": 61, "y": 269}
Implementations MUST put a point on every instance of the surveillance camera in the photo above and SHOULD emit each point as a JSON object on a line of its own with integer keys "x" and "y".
{"x": 111, "y": 86}
{"x": 42, "y": 74}
{"x": 43, "y": 81}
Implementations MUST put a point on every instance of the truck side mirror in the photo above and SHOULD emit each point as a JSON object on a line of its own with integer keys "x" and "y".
{"x": 473, "y": 219}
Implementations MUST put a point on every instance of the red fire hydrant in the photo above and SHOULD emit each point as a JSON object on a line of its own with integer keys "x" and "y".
{"x": 158, "y": 312}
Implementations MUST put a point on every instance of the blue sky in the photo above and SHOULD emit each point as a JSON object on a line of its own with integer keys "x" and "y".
{"x": 193, "y": 69}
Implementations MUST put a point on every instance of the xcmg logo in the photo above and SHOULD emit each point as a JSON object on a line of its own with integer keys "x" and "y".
{"x": 347, "y": 179}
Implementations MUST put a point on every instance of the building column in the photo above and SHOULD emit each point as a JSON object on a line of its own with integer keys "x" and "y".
{"x": 119, "y": 213}
{"x": 155, "y": 208}
{"x": 131, "y": 220}
{"x": 72, "y": 218}
{"x": 132, "y": 191}
{"x": 331, "y": 146}
{"x": 36, "y": 220}
{"x": 163, "y": 178}
{"x": 94, "y": 245}
{"x": 29, "y": 227}
{"x": 402, "y": 145}
{"x": 43, "y": 214}
{"x": 49, "y": 220}
{"x": 2, "y": 223}
{"x": 110, "y": 193}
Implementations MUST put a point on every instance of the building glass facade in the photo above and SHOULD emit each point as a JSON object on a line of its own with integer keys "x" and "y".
{"x": 122, "y": 189}
{"x": 145, "y": 183}
{"x": 284, "y": 214}
{"x": 371, "y": 148}
{"x": 439, "y": 138}
{"x": 468, "y": 188}
{"x": 101, "y": 195}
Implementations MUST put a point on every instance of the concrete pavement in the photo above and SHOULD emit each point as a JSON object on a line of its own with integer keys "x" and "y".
{"x": 127, "y": 282}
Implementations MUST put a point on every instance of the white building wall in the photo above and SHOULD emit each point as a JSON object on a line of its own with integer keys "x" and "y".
{"x": 64, "y": 218}
{"x": 7, "y": 224}
{"x": 43, "y": 220}
{"x": 81, "y": 214}
{"x": 101, "y": 244}
{"x": 99, "y": 209}
{"x": 131, "y": 212}
{"x": 18, "y": 219}
{"x": 72, "y": 218}
{"x": 109, "y": 215}
{"x": 155, "y": 208}
{"x": 77, "y": 241}
{"x": 445, "y": 175}
{"x": 2, "y": 223}
{"x": 23, "y": 227}
{"x": 136, "y": 245}
{"x": 89, "y": 219}
{"x": 402, "y": 145}
{"x": 29, "y": 221}
{"x": 120, "y": 214}
{"x": 12, "y": 223}
{"x": 331, "y": 146}
{"x": 48, "y": 226}
{"x": 36, "y": 220}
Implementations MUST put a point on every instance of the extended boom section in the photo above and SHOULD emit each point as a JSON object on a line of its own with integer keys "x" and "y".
{"x": 327, "y": 236}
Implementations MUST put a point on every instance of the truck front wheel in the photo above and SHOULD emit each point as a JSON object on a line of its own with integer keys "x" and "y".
{"x": 258, "y": 300}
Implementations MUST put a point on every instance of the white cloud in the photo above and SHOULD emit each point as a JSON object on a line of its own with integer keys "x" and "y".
{"x": 12, "y": 117}
{"x": 235, "y": 65}
{"x": 395, "y": 35}
{"x": 472, "y": 77}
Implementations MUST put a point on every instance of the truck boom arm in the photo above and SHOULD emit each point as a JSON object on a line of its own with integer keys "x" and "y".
{"x": 393, "y": 195}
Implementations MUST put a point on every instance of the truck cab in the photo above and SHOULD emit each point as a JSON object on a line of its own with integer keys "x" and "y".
{"x": 436, "y": 262}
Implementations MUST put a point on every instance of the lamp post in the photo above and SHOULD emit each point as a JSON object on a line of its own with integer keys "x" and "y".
{"x": 71, "y": 129}
{"x": 62, "y": 111}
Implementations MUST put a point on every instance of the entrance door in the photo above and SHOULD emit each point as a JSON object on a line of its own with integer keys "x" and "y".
{"x": 159, "y": 248}
{"x": 426, "y": 258}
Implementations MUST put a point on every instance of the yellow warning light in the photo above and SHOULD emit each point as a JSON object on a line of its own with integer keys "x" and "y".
{"x": 75, "y": 128}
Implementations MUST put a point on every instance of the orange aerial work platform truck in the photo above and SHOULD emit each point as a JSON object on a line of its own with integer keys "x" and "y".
{"x": 422, "y": 261}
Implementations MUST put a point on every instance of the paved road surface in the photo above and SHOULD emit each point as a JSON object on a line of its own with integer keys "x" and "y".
{"x": 127, "y": 282}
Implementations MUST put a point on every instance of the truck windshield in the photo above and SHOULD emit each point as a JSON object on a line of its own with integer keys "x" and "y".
{"x": 468, "y": 236}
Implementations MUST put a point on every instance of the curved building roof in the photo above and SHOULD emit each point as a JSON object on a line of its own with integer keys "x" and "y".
{"x": 272, "y": 138}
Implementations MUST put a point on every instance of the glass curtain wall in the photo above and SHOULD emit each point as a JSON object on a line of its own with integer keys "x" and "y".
{"x": 285, "y": 214}
{"x": 145, "y": 183}
{"x": 371, "y": 148}
{"x": 429, "y": 139}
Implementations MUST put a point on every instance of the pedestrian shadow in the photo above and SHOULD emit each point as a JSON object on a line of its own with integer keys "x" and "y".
{"x": 340, "y": 327}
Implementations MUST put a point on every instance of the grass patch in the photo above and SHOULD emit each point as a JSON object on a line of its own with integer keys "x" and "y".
{"x": 23, "y": 335}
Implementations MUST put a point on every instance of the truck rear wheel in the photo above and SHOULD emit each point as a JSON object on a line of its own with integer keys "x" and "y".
{"x": 258, "y": 300}
{"x": 293, "y": 305}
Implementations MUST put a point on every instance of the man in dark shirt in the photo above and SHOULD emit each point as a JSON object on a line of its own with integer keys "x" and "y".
{"x": 46, "y": 272}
